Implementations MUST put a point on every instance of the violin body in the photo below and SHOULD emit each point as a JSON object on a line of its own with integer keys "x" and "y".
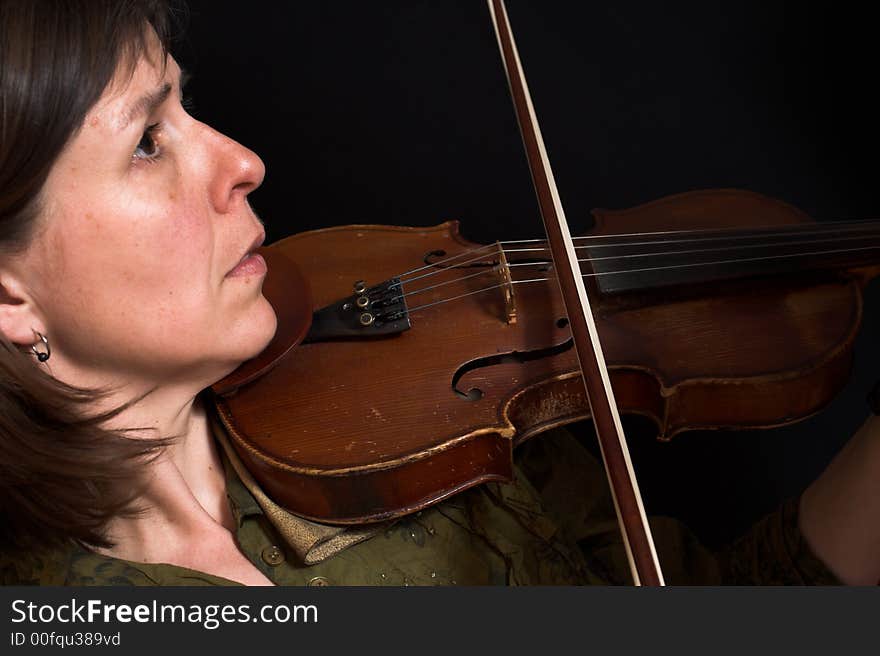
{"x": 358, "y": 430}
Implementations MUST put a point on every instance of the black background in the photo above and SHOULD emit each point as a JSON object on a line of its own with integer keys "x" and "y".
{"x": 398, "y": 113}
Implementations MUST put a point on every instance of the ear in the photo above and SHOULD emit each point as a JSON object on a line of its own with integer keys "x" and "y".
{"x": 18, "y": 316}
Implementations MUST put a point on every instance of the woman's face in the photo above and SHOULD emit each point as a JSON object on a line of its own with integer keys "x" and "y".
{"x": 145, "y": 219}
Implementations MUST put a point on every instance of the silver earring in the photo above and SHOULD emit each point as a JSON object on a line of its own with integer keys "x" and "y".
{"x": 42, "y": 356}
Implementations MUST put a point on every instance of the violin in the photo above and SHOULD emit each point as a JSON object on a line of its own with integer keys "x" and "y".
{"x": 409, "y": 363}
{"x": 724, "y": 323}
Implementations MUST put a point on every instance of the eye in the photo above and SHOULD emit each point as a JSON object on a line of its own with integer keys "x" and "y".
{"x": 148, "y": 147}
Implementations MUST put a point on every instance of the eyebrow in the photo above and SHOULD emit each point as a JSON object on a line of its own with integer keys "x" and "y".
{"x": 146, "y": 104}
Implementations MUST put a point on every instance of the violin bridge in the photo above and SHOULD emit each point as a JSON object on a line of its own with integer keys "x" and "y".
{"x": 503, "y": 270}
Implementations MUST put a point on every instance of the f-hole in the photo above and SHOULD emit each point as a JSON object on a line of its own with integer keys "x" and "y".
{"x": 430, "y": 256}
{"x": 475, "y": 393}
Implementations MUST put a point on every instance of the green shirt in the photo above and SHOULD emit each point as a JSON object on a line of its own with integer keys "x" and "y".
{"x": 553, "y": 525}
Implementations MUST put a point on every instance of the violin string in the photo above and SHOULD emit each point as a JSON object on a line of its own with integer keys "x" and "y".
{"x": 433, "y": 265}
{"x": 655, "y": 242}
{"x": 640, "y": 270}
{"x": 698, "y": 250}
{"x": 722, "y": 233}
{"x": 834, "y": 225}
{"x": 656, "y": 254}
{"x": 445, "y": 269}
{"x": 441, "y": 284}
{"x": 487, "y": 249}
{"x": 719, "y": 262}
{"x": 455, "y": 298}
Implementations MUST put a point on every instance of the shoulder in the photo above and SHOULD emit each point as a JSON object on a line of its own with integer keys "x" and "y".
{"x": 73, "y": 566}
{"x": 79, "y": 567}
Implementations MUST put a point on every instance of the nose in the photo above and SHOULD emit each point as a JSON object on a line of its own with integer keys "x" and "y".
{"x": 237, "y": 171}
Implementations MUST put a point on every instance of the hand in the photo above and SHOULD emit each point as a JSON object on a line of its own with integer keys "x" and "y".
{"x": 840, "y": 511}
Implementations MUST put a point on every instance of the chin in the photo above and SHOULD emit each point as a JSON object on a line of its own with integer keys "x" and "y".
{"x": 260, "y": 329}
{"x": 244, "y": 339}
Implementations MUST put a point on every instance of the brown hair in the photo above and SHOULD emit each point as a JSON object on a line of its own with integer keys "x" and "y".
{"x": 63, "y": 476}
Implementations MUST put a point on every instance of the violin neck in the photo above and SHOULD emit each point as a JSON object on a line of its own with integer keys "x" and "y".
{"x": 640, "y": 263}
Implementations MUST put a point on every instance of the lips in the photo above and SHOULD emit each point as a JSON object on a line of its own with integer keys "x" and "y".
{"x": 250, "y": 262}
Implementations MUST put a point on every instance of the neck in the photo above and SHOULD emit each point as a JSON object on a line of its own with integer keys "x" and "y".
{"x": 639, "y": 262}
{"x": 183, "y": 517}
{"x": 184, "y": 488}
{"x": 184, "y": 497}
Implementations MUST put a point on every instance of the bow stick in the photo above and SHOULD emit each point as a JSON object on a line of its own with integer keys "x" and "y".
{"x": 640, "y": 549}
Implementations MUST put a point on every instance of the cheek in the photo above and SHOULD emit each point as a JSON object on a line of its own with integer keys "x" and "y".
{"x": 176, "y": 247}
{"x": 143, "y": 268}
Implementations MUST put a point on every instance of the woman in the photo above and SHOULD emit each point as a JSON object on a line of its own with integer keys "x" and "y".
{"x": 126, "y": 236}
{"x": 127, "y": 286}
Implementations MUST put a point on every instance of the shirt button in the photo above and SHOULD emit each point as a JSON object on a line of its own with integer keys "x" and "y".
{"x": 319, "y": 581}
{"x": 272, "y": 556}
